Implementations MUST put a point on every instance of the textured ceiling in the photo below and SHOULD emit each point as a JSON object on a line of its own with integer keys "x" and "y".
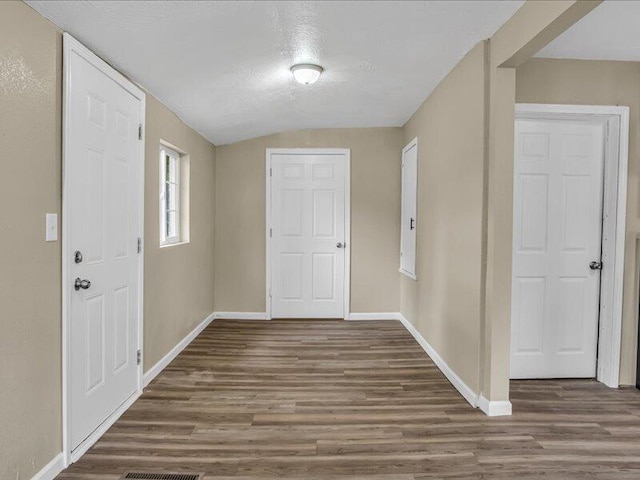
{"x": 610, "y": 32}
{"x": 223, "y": 67}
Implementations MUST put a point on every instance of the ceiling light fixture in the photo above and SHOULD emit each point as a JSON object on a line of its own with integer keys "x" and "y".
{"x": 306, "y": 73}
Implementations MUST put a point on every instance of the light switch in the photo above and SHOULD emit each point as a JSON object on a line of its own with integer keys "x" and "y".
{"x": 51, "y": 234}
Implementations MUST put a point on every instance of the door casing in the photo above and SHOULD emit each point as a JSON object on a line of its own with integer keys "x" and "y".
{"x": 71, "y": 46}
{"x": 616, "y": 160}
{"x": 347, "y": 217}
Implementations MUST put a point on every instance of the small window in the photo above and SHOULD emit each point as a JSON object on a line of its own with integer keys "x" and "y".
{"x": 170, "y": 193}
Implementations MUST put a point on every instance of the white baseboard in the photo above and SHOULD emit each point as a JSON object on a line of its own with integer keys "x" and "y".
{"x": 375, "y": 316}
{"x": 456, "y": 381}
{"x": 263, "y": 316}
{"x": 241, "y": 315}
{"x": 173, "y": 353}
{"x": 495, "y": 408}
{"x": 51, "y": 469}
{"x": 492, "y": 409}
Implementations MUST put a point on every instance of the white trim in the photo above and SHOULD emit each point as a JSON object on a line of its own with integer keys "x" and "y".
{"x": 610, "y": 325}
{"x": 70, "y": 45}
{"x": 412, "y": 144}
{"x": 609, "y": 372}
{"x": 51, "y": 469}
{"x": 546, "y": 109}
{"x": 492, "y": 409}
{"x": 466, "y": 391}
{"x": 408, "y": 274}
{"x": 347, "y": 217}
{"x": 267, "y": 234}
{"x": 241, "y": 315}
{"x": 495, "y": 408}
{"x": 347, "y": 234}
{"x": 175, "y": 351}
{"x": 374, "y": 316}
{"x": 166, "y": 241}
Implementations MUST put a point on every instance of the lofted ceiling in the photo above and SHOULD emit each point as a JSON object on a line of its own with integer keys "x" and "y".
{"x": 223, "y": 67}
{"x": 610, "y": 32}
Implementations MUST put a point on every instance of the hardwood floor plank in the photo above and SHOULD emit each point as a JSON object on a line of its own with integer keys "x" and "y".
{"x": 336, "y": 400}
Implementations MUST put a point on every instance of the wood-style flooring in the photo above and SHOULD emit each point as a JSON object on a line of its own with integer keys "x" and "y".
{"x": 317, "y": 399}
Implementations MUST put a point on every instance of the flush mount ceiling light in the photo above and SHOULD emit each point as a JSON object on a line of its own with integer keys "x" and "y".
{"x": 306, "y": 73}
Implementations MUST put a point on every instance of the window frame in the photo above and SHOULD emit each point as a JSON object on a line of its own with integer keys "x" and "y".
{"x": 165, "y": 238}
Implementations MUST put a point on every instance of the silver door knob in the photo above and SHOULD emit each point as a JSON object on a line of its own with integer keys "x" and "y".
{"x": 81, "y": 284}
{"x": 341, "y": 245}
{"x": 595, "y": 265}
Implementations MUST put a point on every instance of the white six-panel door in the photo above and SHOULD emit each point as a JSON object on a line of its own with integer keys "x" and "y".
{"x": 557, "y": 220}
{"x": 308, "y": 234}
{"x": 103, "y": 188}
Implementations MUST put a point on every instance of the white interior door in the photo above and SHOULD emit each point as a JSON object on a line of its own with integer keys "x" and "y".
{"x": 409, "y": 209}
{"x": 103, "y": 188}
{"x": 557, "y": 221}
{"x": 309, "y": 235}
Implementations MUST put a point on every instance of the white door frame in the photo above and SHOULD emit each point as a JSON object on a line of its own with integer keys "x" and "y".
{"x": 347, "y": 216}
{"x": 616, "y": 159}
{"x": 71, "y": 45}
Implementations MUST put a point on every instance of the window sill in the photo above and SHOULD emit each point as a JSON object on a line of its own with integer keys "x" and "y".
{"x": 177, "y": 244}
{"x": 408, "y": 274}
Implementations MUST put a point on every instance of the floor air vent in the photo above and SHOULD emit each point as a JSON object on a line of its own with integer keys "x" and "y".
{"x": 160, "y": 476}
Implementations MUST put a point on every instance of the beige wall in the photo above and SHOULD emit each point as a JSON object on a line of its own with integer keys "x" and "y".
{"x": 533, "y": 26}
{"x": 30, "y": 142}
{"x": 30, "y": 268}
{"x": 459, "y": 173}
{"x": 444, "y": 304}
{"x": 465, "y": 194}
{"x": 600, "y": 83}
{"x": 179, "y": 280}
{"x": 375, "y": 216}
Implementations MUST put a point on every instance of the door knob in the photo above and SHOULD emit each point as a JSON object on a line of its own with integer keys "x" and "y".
{"x": 81, "y": 284}
{"x": 595, "y": 265}
{"x": 341, "y": 245}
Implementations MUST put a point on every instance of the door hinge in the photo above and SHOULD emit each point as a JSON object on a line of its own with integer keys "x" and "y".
{"x": 270, "y": 232}
{"x": 140, "y": 132}
{"x": 139, "y": 357}
{"x": 139, "y": 244}
{"x": 271, "y": 172}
